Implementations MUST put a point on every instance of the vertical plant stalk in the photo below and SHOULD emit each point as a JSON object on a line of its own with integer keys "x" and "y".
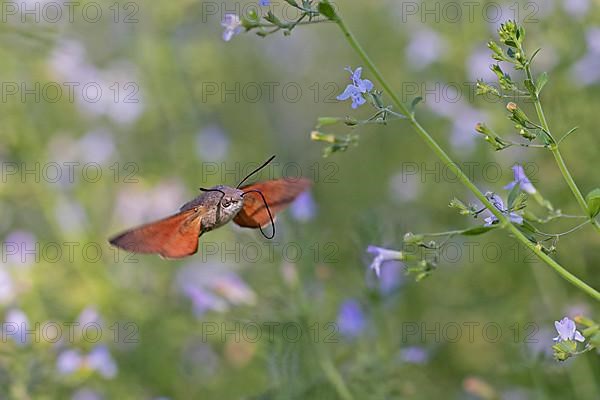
{"x": 557, "y": 155}
{"x": 433, "y": 145}
{"x": 336, "y": 379}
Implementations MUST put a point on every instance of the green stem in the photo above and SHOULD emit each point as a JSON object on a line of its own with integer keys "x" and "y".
{"x": 572, "y": 185}
{"x": 433, "y": 145}
{"x": 557, "y": 156}
{"x": 336, "y": 379}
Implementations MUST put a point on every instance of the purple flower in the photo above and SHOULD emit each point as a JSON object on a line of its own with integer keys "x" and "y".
{"x": 351, "y": 319}
{"x": 211, "y": 288}
{"x": 592, "y": 38}
{"x": 567, "y": 330}
{"x": 382, "y": 255}
{"x": 303, "y": 208}
{"x": 89, "y": 315}
{"x": 98, "y": 360}
{"x": 499, "y": 204}
{"x": 587, "y": 69}
{"x": 414, "y": 355}
{"x": 68, "y": 362}
{"x": 264, "y": 3}
{"x": 357, "y": 88}
{"x": 425, "y": 47}
{"x": 16, "y": 325}
{"x": 232, "y": 25}
{"x": 521, "y": 180}
{"x": 203, "y": 300}
{"x": 392, "y": 277}
{"x": 576, "y": 8}
{"x": 21, "y": 248}
{"x": 232, "y": 288}
{"x": 86, "y": 394}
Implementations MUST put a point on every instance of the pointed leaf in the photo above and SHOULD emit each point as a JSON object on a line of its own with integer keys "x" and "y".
{"x": 478, "y": 230}
{"x": 326, "y": 9}
{"x": 530, "y": 88}
{"x": 541, "y": 82}
{"x": 414, "y": 103}
{"x": 593, "y": 202}
{"x": 512, "y": 196}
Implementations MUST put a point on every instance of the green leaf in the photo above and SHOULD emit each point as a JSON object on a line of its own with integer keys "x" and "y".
{"x": 326, "y": 9}
{"x": 566, "y": 135}
{"x": 411, "y": 238}
{"x": 528, "y": 230}
{"x": 414, "y": 103}
{"x": 531, "y": 88}
{"x": 324, "y": 121}
{"x": 535, "y": 53}
{"x": 512, "y": 196}
{"x": 593, "y": 202}
{"x": 541, "y": 82}
{"x": 477, "y": 230}
{"x": 548, "y": 140}
{"x": 272, "y": 18}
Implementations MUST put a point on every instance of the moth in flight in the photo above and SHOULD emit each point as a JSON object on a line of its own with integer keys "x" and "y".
{"x": 249, "y": 206}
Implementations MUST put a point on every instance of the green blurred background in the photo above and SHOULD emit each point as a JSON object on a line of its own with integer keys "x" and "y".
{"x": 179, "y": 109}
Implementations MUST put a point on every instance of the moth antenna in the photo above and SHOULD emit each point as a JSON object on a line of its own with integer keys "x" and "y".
{"x": 255, "y": 171}
{"x": 268, "y": 209}
{"x": 213, "y": 190}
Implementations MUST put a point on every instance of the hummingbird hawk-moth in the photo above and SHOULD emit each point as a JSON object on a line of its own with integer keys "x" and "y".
{"x": 250, "y": 206}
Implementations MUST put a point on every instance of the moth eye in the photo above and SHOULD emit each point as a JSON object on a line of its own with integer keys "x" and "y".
{"x": 226, "y": 203}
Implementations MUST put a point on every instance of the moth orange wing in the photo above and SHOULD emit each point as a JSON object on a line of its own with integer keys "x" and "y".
{"x": 172, "y": 237}
{"x": 279, "y": 193}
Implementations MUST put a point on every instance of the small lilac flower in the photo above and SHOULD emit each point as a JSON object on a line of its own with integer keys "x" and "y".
{"x": 232, "y": 25}
{"x": 567, "y": 330}
{"x": 392, "y": 277}
{"x": 232, "y": 288}
{"x": 499, "y": 204}
{"x": 16, "y": 325}
{"x": 414, "y": 355}
{"x": 577, "y": 8}
{"x": 356, "y": 90}
{"x": 89, "y": 315}
{"x": 264, "y": 3}
{"x": 303, "y": 208}
{"x": 203, "y": 301}
{"x": 68, "y": 362}
{"x": 521, "y": 180}
{"x": 425, "y": 47}
{"x": 20, "y": 248}
{"x": 98, "y": 360}
{"x": 382, "y": 255}
{"x": 351, "y": 319}
{"x": 86, "y": 394}
{"x": 586, "y": 71}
